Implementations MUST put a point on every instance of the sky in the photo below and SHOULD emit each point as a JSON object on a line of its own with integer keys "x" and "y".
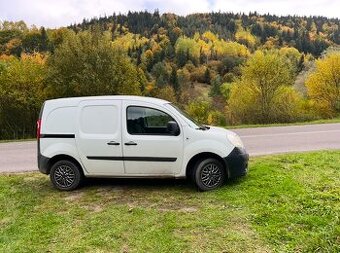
{"x": 56, "y": 13}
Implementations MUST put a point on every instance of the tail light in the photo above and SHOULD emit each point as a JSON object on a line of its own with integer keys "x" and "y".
{"x": 38, "y": 128}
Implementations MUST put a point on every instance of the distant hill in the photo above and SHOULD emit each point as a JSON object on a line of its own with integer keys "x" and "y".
{"x": 308, "y": 34}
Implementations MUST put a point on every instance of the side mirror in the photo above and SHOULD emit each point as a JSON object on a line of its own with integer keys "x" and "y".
{"x": 173, "y": 128}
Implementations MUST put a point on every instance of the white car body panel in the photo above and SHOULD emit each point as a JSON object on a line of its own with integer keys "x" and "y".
{"x": 96, "y": 121}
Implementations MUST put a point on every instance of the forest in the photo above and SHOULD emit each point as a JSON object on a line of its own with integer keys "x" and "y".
{"x": 222, "y": 68}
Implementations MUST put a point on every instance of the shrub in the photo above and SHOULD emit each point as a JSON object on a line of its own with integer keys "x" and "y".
{"x": 323, "y": 85}
{"x": 203, "y": 112}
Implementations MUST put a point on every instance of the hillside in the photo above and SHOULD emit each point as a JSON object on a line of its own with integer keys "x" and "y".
{"x": 307, "y": 34}
{"x": 223, "y": 68}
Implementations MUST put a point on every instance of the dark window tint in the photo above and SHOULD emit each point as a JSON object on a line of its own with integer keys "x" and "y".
{"x": 144, "y": 120}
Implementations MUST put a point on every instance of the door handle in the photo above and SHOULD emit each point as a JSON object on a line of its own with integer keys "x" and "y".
{"x": 113, "y": 143}
{"x": 130, "y": 143}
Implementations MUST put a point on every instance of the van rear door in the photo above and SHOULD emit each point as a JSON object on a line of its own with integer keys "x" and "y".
{"x": 98, "y": 137}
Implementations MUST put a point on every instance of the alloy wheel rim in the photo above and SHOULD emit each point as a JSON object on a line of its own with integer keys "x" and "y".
{"x": 211, "y": 175}
{"x": 64, "y": 176}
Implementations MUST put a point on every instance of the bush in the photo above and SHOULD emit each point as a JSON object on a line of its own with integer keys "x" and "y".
{"x": 167, "y": 92}
{"x": 203, "y": 112}
{"x": 199, "y": 75}
{"x": 245, "y": 106}
{"x": 323, "y": 86}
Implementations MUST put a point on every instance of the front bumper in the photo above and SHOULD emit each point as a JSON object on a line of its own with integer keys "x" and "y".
{"x": 237, "y": 162}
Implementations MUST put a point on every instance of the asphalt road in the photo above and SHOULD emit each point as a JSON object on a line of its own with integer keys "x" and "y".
{"x": 274, "y": 140}
{"x": 22, "y": 156}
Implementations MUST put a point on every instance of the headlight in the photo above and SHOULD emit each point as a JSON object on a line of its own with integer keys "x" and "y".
{"x": 235, "y": 140}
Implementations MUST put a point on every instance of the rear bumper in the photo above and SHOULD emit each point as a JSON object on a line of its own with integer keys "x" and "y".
{"x": 43, "y": 164}
{"x": 42, "y": 161}
{"x": 237, "y": 162}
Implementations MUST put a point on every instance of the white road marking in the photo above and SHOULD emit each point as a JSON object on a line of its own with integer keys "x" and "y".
{"x": 284, "y": 134}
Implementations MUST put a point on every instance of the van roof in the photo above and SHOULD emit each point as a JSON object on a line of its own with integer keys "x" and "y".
{"x": 113, "y": 97}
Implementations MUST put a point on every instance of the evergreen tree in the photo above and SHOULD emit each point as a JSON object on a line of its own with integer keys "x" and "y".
{"x": 139, "y": 55}
{"x": 207, "y": 76}
{"x": 174, "y": 81}
{"x": 215, "y": 86}
{"x": 44, "y": 40}
{"x": 182, "y": 58}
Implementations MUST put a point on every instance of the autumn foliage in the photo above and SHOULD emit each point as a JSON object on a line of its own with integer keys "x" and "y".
{"x": 223, "y": 68}
{"x": 323, "y": 85}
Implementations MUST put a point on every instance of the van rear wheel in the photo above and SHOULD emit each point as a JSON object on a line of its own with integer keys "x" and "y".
{"x": 209, "y": 174}
{"x": 65, "y": 175}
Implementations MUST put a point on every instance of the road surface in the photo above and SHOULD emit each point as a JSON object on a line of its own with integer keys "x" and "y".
{"x": 22, "y": 156}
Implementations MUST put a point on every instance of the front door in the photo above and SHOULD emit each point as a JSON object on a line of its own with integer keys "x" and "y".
{"x": 148, "y": 148}
{"x": 98, "y": 137}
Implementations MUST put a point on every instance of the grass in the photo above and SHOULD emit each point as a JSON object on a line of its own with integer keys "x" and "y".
{"x": 287, "y": 203}
{"x": 320, "y": 121}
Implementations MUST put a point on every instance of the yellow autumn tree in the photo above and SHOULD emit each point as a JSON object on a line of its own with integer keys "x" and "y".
{"x": 210, "y": 36}
{"x": 293, "y": 55}
{"x": 187, "y": 49}
{"x": 233, "y": 49}
{"x": 129, "y": 40}
{"x": 22, "y": 92}
{"x": 323, "y": 85}
{"x": 264, "y": 93}
{"x": 246, "y": 38}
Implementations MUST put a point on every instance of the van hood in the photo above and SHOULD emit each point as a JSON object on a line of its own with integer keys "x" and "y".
{"x": 220, "y": 130}
{"x": 226, "y": 135}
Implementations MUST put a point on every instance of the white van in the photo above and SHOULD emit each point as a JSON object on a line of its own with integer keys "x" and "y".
{"x": 131, "y": 136}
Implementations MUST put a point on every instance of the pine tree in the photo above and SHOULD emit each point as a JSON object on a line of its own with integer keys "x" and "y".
{"x": 43, "y": 40}
{"x": 207, "y": 76}
{"x": 139, "y": 55}
{"x": 215, "y": 86}
{"x": 300, "y": 63}
{"x": 181, "y": 58}
{"x": 174, "y": 81}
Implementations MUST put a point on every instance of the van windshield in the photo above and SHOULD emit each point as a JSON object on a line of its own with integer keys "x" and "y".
{"x": 192, "y": 123}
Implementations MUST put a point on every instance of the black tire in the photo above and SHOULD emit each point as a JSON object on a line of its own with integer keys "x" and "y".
{"x": 65, "y": 175}
{"x": 209, "y": 174}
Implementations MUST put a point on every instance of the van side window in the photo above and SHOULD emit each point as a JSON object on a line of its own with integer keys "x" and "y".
{"x": 147, "y": 121}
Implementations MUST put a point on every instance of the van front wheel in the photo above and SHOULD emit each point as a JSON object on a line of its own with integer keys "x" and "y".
{"x": 209, "y": 174}
{"x": 65, "y": 175}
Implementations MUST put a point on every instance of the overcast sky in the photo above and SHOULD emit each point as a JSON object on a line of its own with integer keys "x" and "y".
{"x": 55, "y": 13}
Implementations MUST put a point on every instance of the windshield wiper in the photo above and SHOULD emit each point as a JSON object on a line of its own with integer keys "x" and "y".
{"x": 203, "y": 127}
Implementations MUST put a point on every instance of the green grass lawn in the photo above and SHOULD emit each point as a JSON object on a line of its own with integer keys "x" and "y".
{"x": 287, "y": 203}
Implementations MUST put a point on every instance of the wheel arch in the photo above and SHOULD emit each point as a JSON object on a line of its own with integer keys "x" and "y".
{"x": 204, "y": 155}
{"x": 60, "y": 157}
